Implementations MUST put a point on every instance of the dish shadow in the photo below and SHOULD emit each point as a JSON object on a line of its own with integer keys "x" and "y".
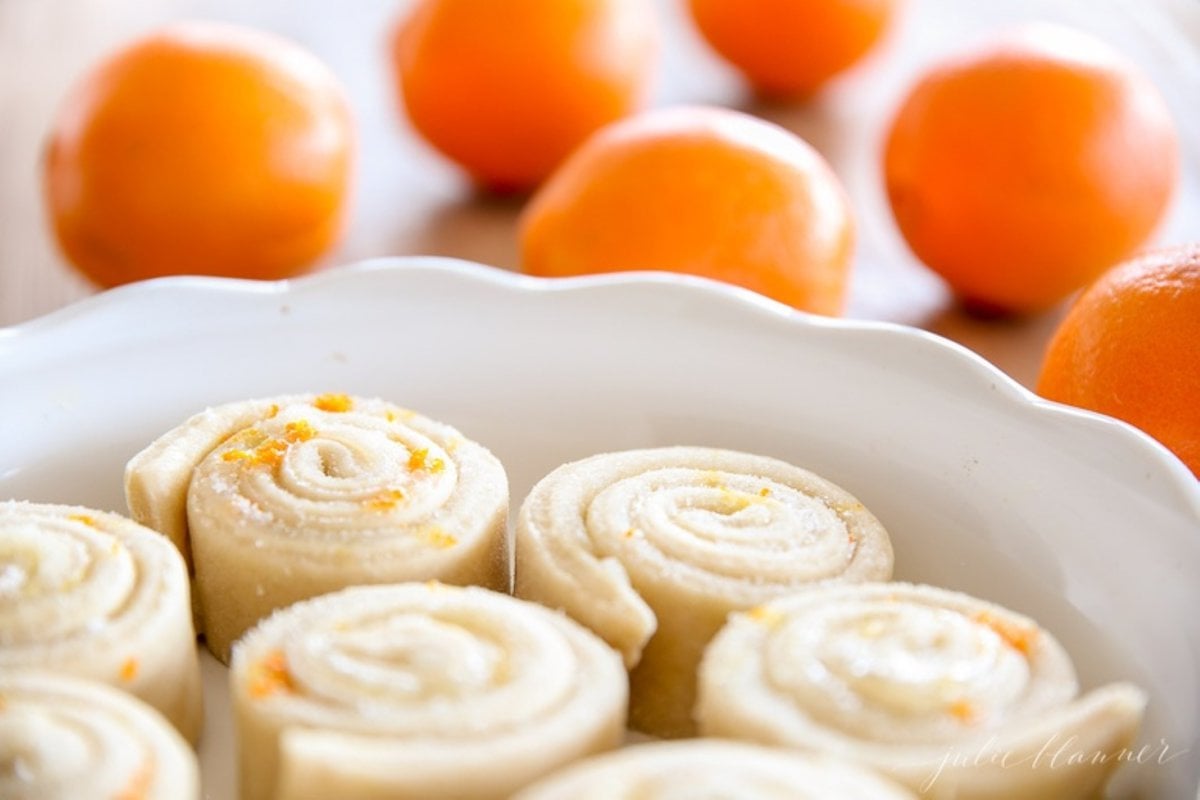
{"x": 478, "y": 226}
{"x": 1015, "y": 341}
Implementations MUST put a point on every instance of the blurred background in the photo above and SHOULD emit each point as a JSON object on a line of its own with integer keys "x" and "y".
{"x": 407, "y": 199}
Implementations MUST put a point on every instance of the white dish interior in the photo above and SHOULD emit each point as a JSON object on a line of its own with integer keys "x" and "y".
{"x": 1076, "y": 520}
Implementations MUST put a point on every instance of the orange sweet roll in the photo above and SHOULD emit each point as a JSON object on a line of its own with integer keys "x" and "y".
{"x": 652, "y": 549}
{"x": 668, "y": 770}
{"x": 418, "y": 690}
{"x": 286, "y": 498}
{"x": 63, "y": 737}
{"x": 945, "y": 693}
{"x": 95, "y": 595}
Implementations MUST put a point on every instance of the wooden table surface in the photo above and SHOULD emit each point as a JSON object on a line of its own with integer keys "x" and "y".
{"x": 408, "y": 200}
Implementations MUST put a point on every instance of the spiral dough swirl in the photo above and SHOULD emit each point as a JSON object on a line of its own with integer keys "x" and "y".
{"x": 419, "y": 691}
{"x": 948, "y": 694}
{"x": 290, "y": 497}
{"x": 653, "y": 548}
{"x": 64, "y": 738}
{"x": 710, "y": 769}
{"x": 95, "y": 595}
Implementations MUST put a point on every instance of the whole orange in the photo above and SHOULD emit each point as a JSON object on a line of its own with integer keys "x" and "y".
{"x": 698, "y": 190}
{"x": 203, "y": 148}
{"x": 507, "y": 89}
{"x": 792, "y": 47}
{"x": 1024, "y": 169}
{"x": 1130, "y": 347}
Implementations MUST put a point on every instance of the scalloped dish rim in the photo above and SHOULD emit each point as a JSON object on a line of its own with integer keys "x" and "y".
{"x": 179, "y": 308}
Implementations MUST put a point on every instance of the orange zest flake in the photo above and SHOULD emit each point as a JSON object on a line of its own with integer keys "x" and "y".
{"x": 299, "y": 431}
{"x": 401, "y": 414}
{"x": 272, "y": 411}
{"x": 268, "y": 453}
{"x": 250, "y": 437}
{"x": 246, "y": 437}
{"x": 129, "y": 669}
{"x": 83, "y": 519}
{"x": 1019, "y": 637}
{"x": 335, "y": 403}
{"x": 255, "y": 448}
{"x": 963, "y": 711}
{"x": 764, "y": 492}
{"x": 139, "y": 784}
{"x": 733, "y": 501}
{"x": 439, "y": 538}
{"x": 270, "y": 676}
{"x": 385, "y": 500}
{"x": 765, "y": 615}
{"x": 419, "y": 459}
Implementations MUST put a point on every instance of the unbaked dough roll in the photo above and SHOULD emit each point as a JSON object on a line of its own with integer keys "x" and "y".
{"x": 653, "y": 548}
{"x": 952, "y": 696}
{"x": 418, "y": 691}
{"x": 98, "y": 596}
{"x": 62, "y": 738}
{"x": 711, "y": 769}
{"x": 292, "y": 497}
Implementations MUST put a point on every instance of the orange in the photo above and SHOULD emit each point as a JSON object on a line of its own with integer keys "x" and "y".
{"x": 696, "y": 190}
{"x": 507, "y": 89}
{"x": 790, "y": 48}
{"x": 202, "y": 148}
{"x": 1021, "y": 171}
{"x": 1130, "y": 347}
